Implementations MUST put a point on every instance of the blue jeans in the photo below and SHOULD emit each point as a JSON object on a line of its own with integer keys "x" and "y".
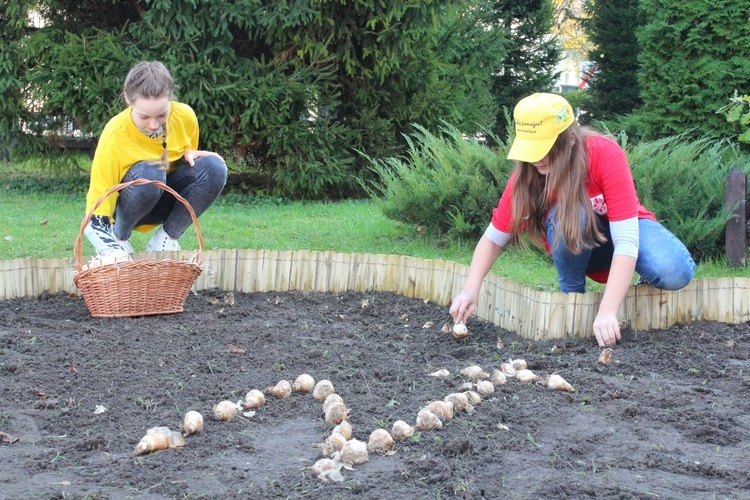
{"x": 663, "y": 260}
{"x": 200, "y": 185}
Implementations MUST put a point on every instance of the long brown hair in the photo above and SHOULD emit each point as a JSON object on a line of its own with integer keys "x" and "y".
{"x": 565, "y": 186}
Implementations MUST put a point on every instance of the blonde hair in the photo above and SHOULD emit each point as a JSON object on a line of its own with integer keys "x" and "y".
{"x": 151, "y": 80}
{"x": 565, "y": 186}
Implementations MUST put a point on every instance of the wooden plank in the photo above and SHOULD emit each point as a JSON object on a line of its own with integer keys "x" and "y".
{"x": 442, "y": 281}
{"x": 339, "y": 268}
{"x": 723, "y": 296}
{"x": 589, "y": 309}
{"x": 557, "y": 314}
{"x": 736, "y": 227}
{"x": 741, "y": 301}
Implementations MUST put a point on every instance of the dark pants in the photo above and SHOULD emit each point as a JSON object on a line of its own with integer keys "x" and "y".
{"x": 148, "y": 204}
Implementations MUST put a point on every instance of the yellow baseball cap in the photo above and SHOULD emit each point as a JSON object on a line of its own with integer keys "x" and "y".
{"x": 539, "y": 119}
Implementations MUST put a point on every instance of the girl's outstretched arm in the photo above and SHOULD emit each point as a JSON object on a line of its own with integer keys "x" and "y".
{"x": 606, "y": 327}
{"x": 485, "y": 255}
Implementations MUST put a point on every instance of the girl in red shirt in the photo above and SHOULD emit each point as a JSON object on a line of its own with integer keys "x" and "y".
{"x": 572, "y": 192}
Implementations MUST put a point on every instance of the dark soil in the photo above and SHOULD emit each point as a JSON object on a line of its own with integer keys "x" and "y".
{"x": 668, "y": 418}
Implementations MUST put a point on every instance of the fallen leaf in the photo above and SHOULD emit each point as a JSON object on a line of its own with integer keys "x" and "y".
{"x": 234, "y": 349}
{"x": 213, "y": 301}
{"x": 428, "y": 324}
{"x": 7, "y": 438}
{"x": 100, "y": 409}
{"x": 9, "y": 238}
{"x": 229, "y": 299}
{"x": 44, "y": 222}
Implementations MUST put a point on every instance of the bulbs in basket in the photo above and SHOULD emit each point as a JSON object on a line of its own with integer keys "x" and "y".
{"x": 102, "y": 260}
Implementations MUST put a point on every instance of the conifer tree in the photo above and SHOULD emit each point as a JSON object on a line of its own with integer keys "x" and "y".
{"x": 611, "y": 26}
{"x": 693, "y": 56}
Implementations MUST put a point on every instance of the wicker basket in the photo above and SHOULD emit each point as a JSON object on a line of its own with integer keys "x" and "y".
{"x": 141, "y": 287}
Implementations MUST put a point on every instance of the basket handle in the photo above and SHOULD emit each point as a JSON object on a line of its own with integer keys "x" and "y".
{"x": 78, "y": 248}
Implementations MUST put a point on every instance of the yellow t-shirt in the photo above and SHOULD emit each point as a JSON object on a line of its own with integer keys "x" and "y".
{"x": 122, "y": 145}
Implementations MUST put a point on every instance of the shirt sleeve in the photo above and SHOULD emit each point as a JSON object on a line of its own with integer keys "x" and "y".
{"x": 106, "y": 168}
{"x": 502, "y": 214}
{"x": 625, "y": 237}
{"x": 497, "y": 237}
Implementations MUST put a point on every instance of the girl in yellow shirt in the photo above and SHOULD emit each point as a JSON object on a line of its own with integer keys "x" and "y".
{"x": 155, "y": 138}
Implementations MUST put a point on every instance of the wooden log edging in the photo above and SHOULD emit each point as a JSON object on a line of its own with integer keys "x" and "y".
{"x": 532, "y": 314}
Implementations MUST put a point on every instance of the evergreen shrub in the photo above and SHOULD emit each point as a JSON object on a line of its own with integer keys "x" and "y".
{"x": 682, "y": 182}
{"x": 446, "y": 183}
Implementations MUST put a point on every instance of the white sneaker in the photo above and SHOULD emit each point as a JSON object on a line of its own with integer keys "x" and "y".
{"x": 126, "y": 246}
{"x": 101, "y": 233}
{"x": 162, "y": 242}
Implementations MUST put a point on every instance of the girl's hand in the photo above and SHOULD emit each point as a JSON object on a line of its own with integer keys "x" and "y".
{"x": 463, "y": 306}
{"x": 192, "y": 154}
{"x": 606, "y": 329}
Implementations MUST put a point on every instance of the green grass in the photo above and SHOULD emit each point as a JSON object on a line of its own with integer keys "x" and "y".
{"x": 39, "y": 224}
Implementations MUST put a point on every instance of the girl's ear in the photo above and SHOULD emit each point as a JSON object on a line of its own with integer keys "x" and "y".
{"x": 126, "y": 99}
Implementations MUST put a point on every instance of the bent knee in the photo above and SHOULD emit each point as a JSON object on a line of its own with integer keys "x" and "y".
{"x": 676, "y": 280}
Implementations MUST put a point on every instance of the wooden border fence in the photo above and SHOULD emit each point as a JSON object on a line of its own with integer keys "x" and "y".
{"x": 533, "y": 314}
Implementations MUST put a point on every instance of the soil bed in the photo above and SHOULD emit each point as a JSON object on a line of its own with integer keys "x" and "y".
{"x": 668, "y": 418}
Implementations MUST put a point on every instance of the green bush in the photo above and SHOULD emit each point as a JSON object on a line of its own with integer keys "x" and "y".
{"x": 682, "y": 181}
{"x": 446, "y": 183}
{"x": 692, "y": 55}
